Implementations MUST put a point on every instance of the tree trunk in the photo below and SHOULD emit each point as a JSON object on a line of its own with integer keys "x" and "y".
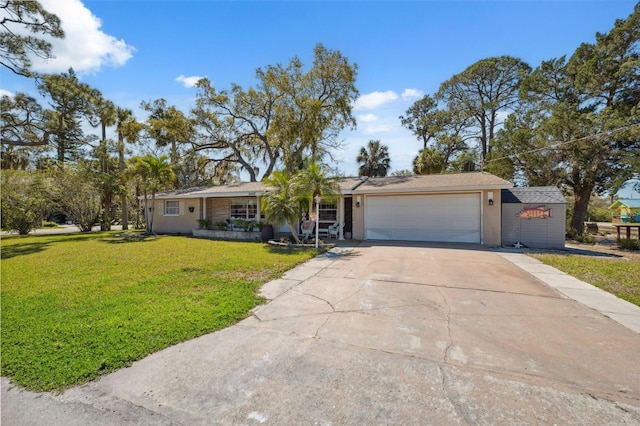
{"x": 146, "y": 213}
{"x": 294, "y": 231}
{"x": 124, "y": 199}
{"x": 152, "y": 213}
{"x": 60, "y": 152}
{"x": 483, "y": 137}
{"x": 138, "y": 220}
{"x": 582, "y": 197}
{"x": 106, "y": 209}
{"x": 105, "y": 224}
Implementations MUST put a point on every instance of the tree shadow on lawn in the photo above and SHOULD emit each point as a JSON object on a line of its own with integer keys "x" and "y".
{"x": 41, "y": 243}
{"x": 323, "y": 252}
{"x": 7, "y": 252}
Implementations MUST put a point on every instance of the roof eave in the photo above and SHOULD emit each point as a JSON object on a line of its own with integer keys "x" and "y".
{"x": 208, "y": 195}
{"x": 388, "y": 190}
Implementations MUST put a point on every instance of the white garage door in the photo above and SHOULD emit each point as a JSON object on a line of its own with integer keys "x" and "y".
{"x": 446, "y": 218}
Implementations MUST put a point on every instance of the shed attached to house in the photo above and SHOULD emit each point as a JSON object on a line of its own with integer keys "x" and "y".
{"x": 534, "y": 217}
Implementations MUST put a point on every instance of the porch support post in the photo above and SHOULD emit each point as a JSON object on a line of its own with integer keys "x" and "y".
{"x": 258, "y": 209}
{"x": 341, "y": 218}
{"x": 204, "y": 207}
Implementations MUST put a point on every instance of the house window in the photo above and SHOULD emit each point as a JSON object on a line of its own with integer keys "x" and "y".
{"x": 328, "y": 212}
{"x": 172, "y": 208}
{"x": 244, "y": 209}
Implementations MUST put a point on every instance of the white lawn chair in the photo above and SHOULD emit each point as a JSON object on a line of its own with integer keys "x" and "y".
{"x": 307, "y": 229}
{"x": 334, "y": 230}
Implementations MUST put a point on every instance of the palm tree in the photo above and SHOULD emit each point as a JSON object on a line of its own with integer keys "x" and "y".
{"x": 429, "y": 161}
{"x": 157, "y": 174}
{"x": 105, "y": 113}
{"x": 467, "y": 161}
{"x": 282, "y": 203}
{"x": 128, "y": 129}
{"x": 312, "y": 180}
{"x": 374, "y": 159}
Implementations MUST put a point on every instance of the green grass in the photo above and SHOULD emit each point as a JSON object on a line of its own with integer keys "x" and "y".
{"x": 47, "y": 224}
{"x": 618, "y": 276}
{"x": 75, "y": 306}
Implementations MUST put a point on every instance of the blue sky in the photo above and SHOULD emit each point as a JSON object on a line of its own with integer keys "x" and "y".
{"x": 144, "y": 50}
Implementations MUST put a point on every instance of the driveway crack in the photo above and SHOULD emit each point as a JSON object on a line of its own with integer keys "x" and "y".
{"x": 333, "y": 308}
{"x": 454, "y": 402}
{"x": 448, "y": 319}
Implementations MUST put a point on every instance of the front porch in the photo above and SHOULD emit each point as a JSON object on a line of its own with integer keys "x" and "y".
{"x": 236, "y": 217}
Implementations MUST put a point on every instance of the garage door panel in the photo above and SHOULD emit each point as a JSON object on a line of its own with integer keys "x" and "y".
{"x": 444, "y": 218}
{"x": 379, "y": 234}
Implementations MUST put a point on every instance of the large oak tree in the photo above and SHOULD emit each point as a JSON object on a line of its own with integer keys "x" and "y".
{"x": 580, "y": 126}
{"x": 291, "y": 114}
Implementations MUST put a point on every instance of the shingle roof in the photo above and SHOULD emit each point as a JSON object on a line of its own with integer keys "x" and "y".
{"x": 533, "y": 195}
{"x": 245, "y": 189}
{"x": 233, "y": 190}
{"x": 350, "y": 183}
{"x": 257, "y": 188}
{"x": 433, "y": 183}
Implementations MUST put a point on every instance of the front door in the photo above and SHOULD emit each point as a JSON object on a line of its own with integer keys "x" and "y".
{"x": 348, "y": 214}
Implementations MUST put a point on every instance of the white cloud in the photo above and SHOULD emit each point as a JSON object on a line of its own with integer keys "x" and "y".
{"x": 410, "y": 94}
{"x": 501, "y": 116}
{"x": 367, "y": 118}
{"x": 375, "y": 99}
{"x": 189, "y": 81}
{"x": 376, "y": 129}
{"x": 85, "y": 47}
{"x": 6, "y": 93}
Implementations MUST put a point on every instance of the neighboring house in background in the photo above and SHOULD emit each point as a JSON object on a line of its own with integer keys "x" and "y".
{"x": 625, "y": 211}
{"x": 534, "y": 217}
{"x": 459, "y": 207}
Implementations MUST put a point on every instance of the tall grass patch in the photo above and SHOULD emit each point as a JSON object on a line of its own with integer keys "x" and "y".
{"x": 76, "y": 306}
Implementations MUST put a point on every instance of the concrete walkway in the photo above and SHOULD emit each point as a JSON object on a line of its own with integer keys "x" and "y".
{"x": 381, "y": 334}
{"x": 617, "y": 309}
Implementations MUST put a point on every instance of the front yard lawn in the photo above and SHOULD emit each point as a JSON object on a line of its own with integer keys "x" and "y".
{"x": 619, "y": 276}
{"x": 75, "y": 306}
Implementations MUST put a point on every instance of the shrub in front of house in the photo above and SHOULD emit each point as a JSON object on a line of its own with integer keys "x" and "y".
{"x": 204, "y": 223}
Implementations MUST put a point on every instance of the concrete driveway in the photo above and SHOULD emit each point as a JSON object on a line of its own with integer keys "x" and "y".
{"x": 378, "y": 334}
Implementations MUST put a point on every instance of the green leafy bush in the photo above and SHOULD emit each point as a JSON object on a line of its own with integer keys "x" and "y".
{"x": 24, "y": 199}
{"x": 629, "y": 244}
{"x": 204, "y": 223}
{"x": 583, "y": 237}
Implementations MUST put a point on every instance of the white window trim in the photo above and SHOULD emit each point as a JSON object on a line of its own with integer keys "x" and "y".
{"x": 171, "y": 214}
{"x": 334, "y": 209}
{"x": 247, "y": 203}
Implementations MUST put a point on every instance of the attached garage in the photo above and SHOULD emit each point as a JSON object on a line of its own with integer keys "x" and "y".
{"x": 456, "y": 207}
{"x": 441, "y": 218}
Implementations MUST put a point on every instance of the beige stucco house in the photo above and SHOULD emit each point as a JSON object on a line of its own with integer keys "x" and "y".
{"x": 459, "y": 207}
